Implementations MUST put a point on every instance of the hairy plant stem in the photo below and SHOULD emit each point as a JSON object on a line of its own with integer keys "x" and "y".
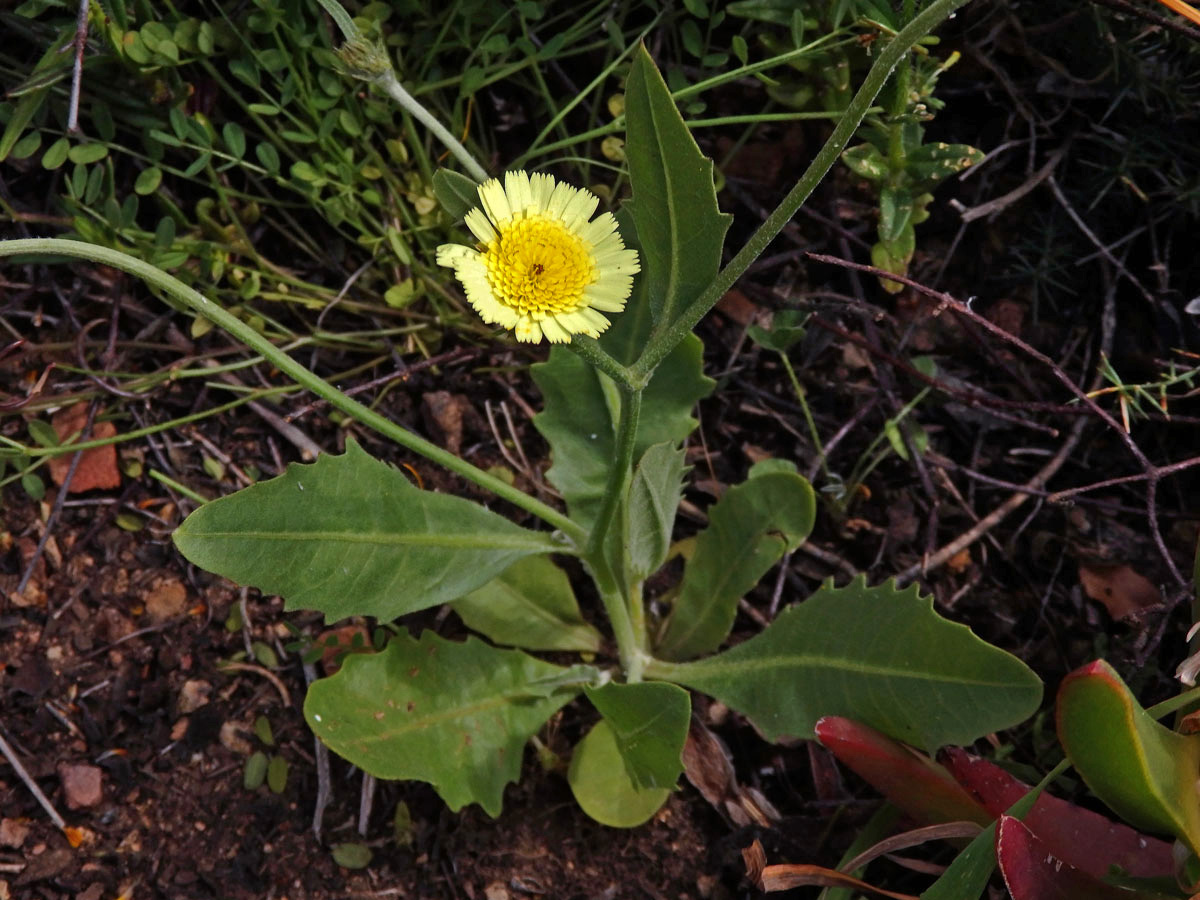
{"x": 391, "y": 85}
{"x": 133, "y": 435}
{"x": 889, "y": 56}
{"x": 617, "y": 485}
{"x": 633, "y": 658}
{"x": 813, "y": 434}
{"x": 661, "y": 670}
{"x": 589, "y": 350}
{"x": 621, "y": 601}
{"x": 369, "y": 61}
{"x": 50, "y": 247}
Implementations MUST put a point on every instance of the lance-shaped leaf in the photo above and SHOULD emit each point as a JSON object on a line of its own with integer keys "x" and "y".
{"x": 649, "y": 723}
{"x": 531, "y": 605}
{"x": 349, "y": 536}
{"x": 582, "y": 406}
{"x": 680, "y": 227}
{"x": 653, "y": 501}
{"x": 877, "y": 655}
{"x": 601, "y": 783}
{"x": 454, "y": 715}
{"x": 1145, "y": 772}
{"x": 749, "y": 530}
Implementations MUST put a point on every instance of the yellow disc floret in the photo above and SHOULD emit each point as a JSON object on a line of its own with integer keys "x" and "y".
{"x": 536, "y": 266}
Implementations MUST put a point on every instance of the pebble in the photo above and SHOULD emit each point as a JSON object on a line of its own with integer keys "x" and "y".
{"x": 13, "y": 833}
{"x": 82, "y": 784}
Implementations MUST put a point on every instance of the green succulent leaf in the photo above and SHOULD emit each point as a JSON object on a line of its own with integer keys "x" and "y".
{"x": 349, "y": 536}
{"x": 601, "y": 783}
{"x": 454, "y": 715}
{"x": 531, "y": 605}
{"x": 749, "y": 530}
{"x": 878, "y": 655}
{"x": 653, "y": 501}
{"x": 680, "y": 227}
{"x": 1143, "y": 770}
{"x": 649, "y": 723}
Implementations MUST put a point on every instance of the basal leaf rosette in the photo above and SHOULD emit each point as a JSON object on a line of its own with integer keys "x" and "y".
{"x": 543, "y": 266}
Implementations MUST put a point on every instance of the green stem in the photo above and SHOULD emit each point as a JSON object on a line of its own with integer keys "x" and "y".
{"x": 633, "y": 658}
{"x": 891, "y": 54}
{"x": 617, "y": 485}
{"x": 637, "y": 616}
{"x": 177, "y": 487}
{"x": 661, "y": 670}
{"x": 808, "y": 416}
{"x": 125, "y": 436}
{"x": 1188, "y": 697}
{"x": 590, "y": 351}
{"x": 370, "y": 62}
{"x": 619, "y": 598}
{"x": 396, "y": 91}
{"x": 51, "y": 247}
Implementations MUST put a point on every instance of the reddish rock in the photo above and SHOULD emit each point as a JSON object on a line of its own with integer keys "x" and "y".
{"x": 82, "y": 784}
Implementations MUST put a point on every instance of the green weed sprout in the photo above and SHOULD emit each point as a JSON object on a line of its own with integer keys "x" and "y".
{"x": 350, "y": 535}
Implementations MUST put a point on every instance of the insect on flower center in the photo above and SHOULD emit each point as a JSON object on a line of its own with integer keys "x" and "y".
{"x": 536, "y": 265}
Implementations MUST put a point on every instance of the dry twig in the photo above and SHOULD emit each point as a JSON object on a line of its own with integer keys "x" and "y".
{"x": 1151, "y": 472}
{"x": 25, "y": 777}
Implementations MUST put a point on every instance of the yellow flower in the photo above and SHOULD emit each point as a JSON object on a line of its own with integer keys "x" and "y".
{"x": 541, "y": 267}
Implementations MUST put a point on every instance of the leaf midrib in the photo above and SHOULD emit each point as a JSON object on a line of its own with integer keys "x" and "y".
{"x": 435, "y": 719}
{"x": 709, "y": 669}
{"x": 516, "y": 542}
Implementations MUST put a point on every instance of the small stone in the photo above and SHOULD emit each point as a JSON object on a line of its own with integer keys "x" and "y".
{"x": 95, "y": 891}
{"x": 131, "y": 843}
{"x": 166, "y": 599}
{"x": 192, "y": 696}
{"x": 496, "y": 891}
{"x": 82, "y": 784}
{"x": 13, "y": 832}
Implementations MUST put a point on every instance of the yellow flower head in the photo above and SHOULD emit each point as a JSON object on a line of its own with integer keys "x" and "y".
{"x": 541, "y": 267}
